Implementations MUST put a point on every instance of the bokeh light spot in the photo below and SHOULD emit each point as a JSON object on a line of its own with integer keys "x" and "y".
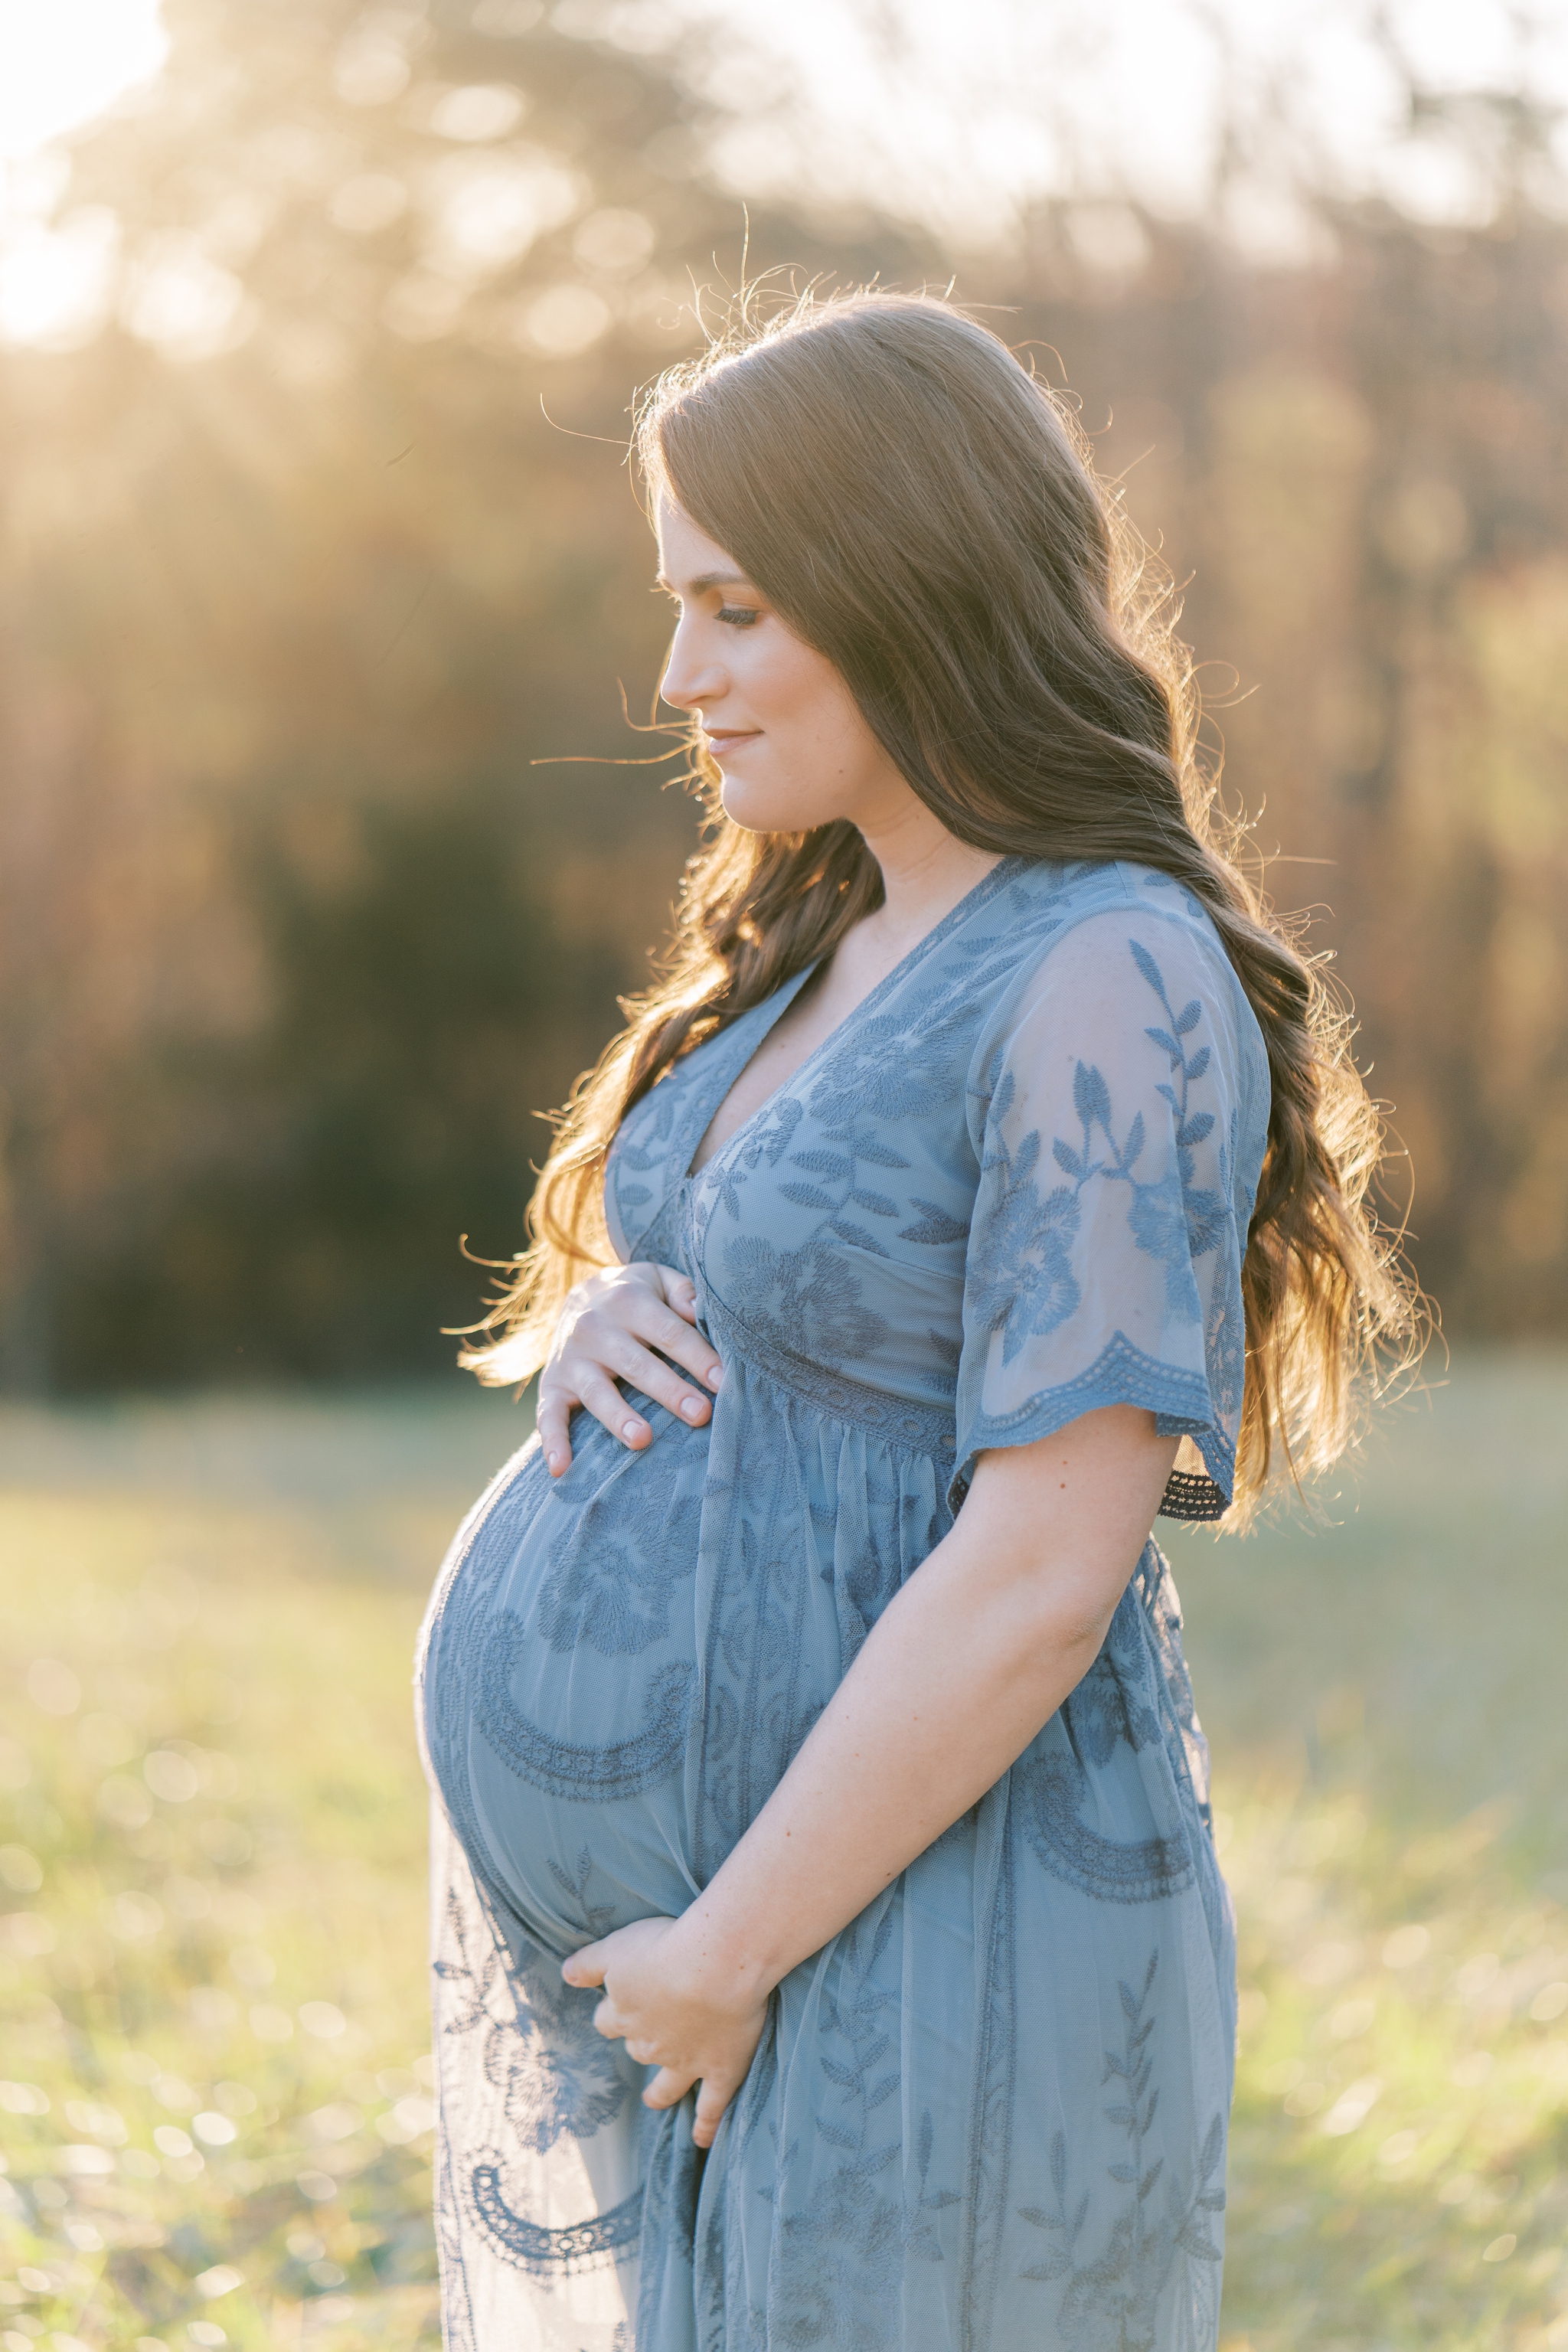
{"x": 481, "y": 111}
{"x": 614, "y": 242}
{"x": 221, "y": 2279}
{"x": 171, "y": 1776}
{"x": 20, "y": 1869}
{"x": 53, "y": 1688}
{"x": 565, "y": 321}
{"x": 135, "y": 1917}
{"x": 372, "y": 67}
{"x": 373, "y": 201}
{"x": 1406, "y": 1946}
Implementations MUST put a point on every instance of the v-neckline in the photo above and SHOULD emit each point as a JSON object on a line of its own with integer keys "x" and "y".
{"x": 779, "y": 1004}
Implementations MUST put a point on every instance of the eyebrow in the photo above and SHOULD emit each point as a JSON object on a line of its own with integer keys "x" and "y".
{"x": 704, "y": 581}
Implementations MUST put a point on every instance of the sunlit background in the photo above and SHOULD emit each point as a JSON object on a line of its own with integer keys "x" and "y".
{"x": 321, "y": 579}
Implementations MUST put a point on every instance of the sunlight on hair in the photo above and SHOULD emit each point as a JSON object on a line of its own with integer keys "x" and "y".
{"x": 1330, "y": 1315}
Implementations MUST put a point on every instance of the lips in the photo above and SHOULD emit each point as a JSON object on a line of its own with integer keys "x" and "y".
{"x": 722, "y": 737}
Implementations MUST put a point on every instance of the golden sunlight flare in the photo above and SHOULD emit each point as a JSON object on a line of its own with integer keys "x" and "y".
{"x": 61, "y": 64}
{"x": 59, "y": 67}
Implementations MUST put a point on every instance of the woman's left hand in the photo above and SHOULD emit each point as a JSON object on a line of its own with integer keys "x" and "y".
{"x": 665, "y": 2005}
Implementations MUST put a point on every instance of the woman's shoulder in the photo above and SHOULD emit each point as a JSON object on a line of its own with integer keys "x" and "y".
{"x": 1086, "y": 916}
{"x": 1113, "y": 944}
{"x": 1069, "y": 891}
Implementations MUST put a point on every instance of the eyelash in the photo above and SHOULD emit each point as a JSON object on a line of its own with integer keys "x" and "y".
{"x": 738, "y": 616}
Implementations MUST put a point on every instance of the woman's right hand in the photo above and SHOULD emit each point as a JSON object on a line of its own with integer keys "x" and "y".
{"x": 609, "y": 1326}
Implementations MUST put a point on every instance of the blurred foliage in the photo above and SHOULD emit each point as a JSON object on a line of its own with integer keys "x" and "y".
{"x": 215, "y": 2112}
{"x": 325, "y": 537}
{"x": 422, "y": 1009}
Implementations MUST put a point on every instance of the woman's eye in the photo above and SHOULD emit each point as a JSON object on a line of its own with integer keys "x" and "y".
{"x": 736, "y": 616}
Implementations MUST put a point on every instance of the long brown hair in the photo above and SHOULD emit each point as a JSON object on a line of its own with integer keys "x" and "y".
{"x": 921, "y": 511}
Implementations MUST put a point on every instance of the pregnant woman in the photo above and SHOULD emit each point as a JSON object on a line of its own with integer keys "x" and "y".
{"x": 829, "y": 1944}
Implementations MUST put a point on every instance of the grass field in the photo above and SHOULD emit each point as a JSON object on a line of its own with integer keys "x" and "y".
{"x": 216, "y": 2107}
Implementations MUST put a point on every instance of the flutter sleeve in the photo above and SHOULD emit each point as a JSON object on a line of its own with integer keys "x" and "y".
{"x": 1119, "y": 1110}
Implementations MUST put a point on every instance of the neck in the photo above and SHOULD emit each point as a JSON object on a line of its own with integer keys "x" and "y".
{"x": 926, "y": 870}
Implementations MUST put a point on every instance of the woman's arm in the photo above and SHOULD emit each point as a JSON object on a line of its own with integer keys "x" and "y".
{"x": 609, "y": 1328}
{"x": 962, "y": 1669}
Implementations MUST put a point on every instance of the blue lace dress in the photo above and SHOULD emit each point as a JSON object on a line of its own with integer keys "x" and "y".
{"x": 991, "y": 2114}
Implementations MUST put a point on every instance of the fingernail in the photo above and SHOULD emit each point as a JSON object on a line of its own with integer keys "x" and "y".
{"x": 693, "y": 1408}
{"x": 552, "y": 1463}
{"x": 715, "y": 1376}
{"x": 631, "y": 1429}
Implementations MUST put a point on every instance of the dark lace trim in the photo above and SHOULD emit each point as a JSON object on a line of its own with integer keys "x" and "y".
{"x": 529, "y": 2246}
{"x": 1191, "y": 1495}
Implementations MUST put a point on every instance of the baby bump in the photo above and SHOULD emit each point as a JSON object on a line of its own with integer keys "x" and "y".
{"x": 559, "y": 1676}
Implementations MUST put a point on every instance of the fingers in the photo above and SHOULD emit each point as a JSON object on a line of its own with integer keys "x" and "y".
{"x": 600, "y": 1358}
{"x": 680, "y": 1291}
{"x": 671, "y": 2083}
{"x": 661, "y": 1312}
{"x": 622, "y": 1339}
{"x": 714, "y": 2096}
{"x": 668, "y": 2088}
{"x": 598, "y": 1394}
{"x": 586, "y": 1967}
{"x": 686, "y": 1344}
{"x": 631, "y": 1361}
{"x": 552, "y": 1421}
{"x": 615, "y": 1321}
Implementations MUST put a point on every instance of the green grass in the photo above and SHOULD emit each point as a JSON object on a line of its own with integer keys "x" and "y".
{"x": 211, "y": 1999}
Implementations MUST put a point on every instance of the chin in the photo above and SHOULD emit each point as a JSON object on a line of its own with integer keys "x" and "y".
{"x": 758, "y": 806}
{"x": 755, "y": 809}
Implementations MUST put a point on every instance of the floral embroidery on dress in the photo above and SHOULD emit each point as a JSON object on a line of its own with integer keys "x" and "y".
{"x": 1026, "y": 1286}
{"x": 1204, "y": 1210}
{"x": 582, "y": 1769}
{"x": 1149, "y": 1161}
{"x": 1013, "y": 1186}
{"x": 852, "y": 2231}
{"x": 614, "y": 1568}
{"x": 556, "y": 2074}
{"x": 1124, "y": 1701}
{"x": 803, "y": 1301}
{"x": 1110, "y": 2301}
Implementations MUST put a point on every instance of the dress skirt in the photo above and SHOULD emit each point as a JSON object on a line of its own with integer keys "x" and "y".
{"x": 990, "y": 2115}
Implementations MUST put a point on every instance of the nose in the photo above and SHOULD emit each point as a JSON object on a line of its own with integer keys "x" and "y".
{"x": 692, "y": 677}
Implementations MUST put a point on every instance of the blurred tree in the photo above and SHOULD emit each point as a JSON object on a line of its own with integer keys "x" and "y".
{"x": 325, "y": 537}
{"x": 332, "y": 515}
{"x": 423, "y": 1009}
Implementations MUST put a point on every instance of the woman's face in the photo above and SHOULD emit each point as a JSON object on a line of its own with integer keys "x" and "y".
{"x": 781, "y": 725}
